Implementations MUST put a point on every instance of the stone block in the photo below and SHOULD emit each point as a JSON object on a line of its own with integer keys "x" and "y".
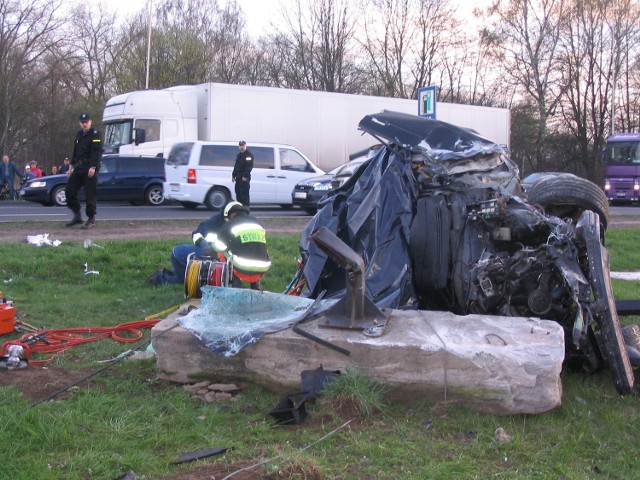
{"x": 502, "y": 365}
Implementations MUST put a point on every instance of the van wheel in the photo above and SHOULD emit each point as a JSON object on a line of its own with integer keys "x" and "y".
{"x": 154, "y": 195}
{"x": 59, "y": 195}
{"x": 216, "y": 199}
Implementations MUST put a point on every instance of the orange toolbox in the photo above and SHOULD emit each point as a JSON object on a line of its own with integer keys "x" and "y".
{"x": 7, "y": 318}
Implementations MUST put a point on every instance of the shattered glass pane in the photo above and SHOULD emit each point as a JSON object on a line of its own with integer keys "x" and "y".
{"x": 230, "y": 319}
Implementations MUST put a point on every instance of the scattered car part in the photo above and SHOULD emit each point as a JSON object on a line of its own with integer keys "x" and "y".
{"x": 198, "y": 454}
{"x": 354, "y": 311}
{"x": 290, "y": 409}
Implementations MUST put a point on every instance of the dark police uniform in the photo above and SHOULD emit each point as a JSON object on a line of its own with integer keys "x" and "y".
{"x": 87, "y": 152}
{"x": 242, "y": 176}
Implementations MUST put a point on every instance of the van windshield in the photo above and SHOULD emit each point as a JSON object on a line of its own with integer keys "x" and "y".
{"x": 180, "y": 153}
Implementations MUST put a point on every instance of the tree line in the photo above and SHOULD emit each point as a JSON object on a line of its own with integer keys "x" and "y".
{"x": 566, "y": 69}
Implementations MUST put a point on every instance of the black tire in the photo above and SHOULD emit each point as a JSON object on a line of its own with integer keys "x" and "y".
{"x": 216, "y": 198}
{"x": 430, "y": 245}
{"x": 286, "y": 206}
{"x": 567, "y": 196}
{"x": 311, "y": 210}
{"x": 608, "y": 333}
{"x": 59, "y": 196}
{"x": 154, "y": 195}
{"x": 189, "y": 205}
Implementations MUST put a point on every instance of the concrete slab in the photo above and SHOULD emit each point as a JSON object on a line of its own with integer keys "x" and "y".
{"x": 493, "y": 364}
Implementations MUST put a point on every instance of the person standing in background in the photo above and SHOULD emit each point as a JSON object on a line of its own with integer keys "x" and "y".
{"x": 8, "y": 173}
{"x": 35, "y": 171}
{"x": 241, "y": 174}
{"x": 64, "y": 168}
{"x": 85, "y": 163}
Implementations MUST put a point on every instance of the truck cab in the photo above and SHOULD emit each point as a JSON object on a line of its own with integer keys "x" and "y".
{"x": 622, "y": 168}
{"x": 149, "y": 122}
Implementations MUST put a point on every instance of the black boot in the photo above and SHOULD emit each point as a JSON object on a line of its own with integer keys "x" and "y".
{"x": 90, "y": 223}
{"x": 76, "y": 220}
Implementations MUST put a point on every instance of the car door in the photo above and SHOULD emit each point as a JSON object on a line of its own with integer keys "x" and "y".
{"x": 264, "y": 176}
{"x": 106, "y": 183}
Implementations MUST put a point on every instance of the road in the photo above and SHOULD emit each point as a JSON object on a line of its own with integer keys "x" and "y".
{"x": 13, "y": 211}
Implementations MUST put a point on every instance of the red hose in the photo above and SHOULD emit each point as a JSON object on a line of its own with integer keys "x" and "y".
{"x": 55, "y": 342}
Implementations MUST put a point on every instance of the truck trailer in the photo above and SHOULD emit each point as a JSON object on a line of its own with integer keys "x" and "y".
{"x": 323, "y": 125}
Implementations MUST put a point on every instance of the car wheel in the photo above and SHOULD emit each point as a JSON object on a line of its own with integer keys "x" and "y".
{"x": 567, "y": 196}
{"x": 311, "y": 211}
{"x": 286, "y": 206}
{"x": 59, "y": 195}
{"x": 216, "y": 199}
{"x": 608, "y": 330}
{"x": 430, "y": 244}
{"x": 154, "y": 195}
{"x": 189, "y": 205}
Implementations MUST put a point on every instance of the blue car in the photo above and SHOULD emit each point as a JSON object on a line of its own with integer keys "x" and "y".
{"x": 137, "y": 180}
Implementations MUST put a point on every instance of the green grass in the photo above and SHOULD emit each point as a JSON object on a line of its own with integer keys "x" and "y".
{"x": 125, "y": 419}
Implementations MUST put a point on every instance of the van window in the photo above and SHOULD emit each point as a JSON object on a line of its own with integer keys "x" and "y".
{"x": 130, "y": 165}
{"x": 293, "y": 161}
{"x": 218, "y": 155}
{"x": 263, "y": 157}
{"x": 180, "y": 153}
{"x": 151, "y": 129}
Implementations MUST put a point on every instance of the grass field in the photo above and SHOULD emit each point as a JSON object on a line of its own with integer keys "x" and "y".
{"x": 126, "y": 420}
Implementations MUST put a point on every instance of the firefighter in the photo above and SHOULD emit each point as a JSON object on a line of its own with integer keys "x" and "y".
{"x": 243, "y": 242}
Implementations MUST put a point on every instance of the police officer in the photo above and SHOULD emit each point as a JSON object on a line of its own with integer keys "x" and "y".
{"x": 242, "y": 173}
{"x": 243, "y": 242}
{"x": 85, "y": 163}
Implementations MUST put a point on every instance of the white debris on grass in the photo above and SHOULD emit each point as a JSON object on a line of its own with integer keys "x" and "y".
{"x": 42, "y": 240}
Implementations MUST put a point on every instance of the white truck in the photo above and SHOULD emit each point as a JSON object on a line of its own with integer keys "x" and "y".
{"x": 322, "y": 125}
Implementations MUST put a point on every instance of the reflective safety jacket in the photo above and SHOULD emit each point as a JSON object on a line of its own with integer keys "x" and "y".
{"x": 208, "y": 229}
{"x": 243, "y": 241}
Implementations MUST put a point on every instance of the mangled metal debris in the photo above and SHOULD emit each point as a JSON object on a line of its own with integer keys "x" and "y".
{"x": 441, "y": 223}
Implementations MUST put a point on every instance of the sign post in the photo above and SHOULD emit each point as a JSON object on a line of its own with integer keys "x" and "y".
{"x": 427, "y": 102}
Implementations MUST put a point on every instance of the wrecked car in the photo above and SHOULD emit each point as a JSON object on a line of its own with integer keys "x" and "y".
{"x": 441, "y": 222}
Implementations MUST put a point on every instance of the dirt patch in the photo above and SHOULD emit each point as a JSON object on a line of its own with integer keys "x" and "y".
{"x": 133, "y": 230}
{"x": 36, "y": 383}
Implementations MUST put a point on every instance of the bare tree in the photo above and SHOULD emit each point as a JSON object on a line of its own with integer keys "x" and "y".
{"x": 315, "y": 48}
{"x": 591, "y": 60}
{"x": 27, "y": 32}
{"x": 525, "y": 36}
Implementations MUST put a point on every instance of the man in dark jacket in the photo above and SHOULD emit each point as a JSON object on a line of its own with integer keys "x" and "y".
{"x": 85, "y": 163}
{"x": 242, "y": 173}
{"x": 243, "y": 242}
{"x": 8, "y": 174}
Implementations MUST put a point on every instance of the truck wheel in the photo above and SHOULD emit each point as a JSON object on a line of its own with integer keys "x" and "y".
{"x": 154, "y": 195}
{"x": 59, "y": 196}
{"x": 608, "y": 331}
{"x": 216, "y": 199}
{"x": 567, "y": 196}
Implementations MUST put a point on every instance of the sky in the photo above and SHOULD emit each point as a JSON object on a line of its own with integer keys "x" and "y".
{"x": 259, "y": 14}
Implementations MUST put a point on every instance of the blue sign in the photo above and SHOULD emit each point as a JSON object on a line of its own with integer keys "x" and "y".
{"x": 427, "y": 102}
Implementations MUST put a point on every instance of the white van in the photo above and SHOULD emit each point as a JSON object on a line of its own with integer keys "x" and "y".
{"x": 199, "y": 173}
